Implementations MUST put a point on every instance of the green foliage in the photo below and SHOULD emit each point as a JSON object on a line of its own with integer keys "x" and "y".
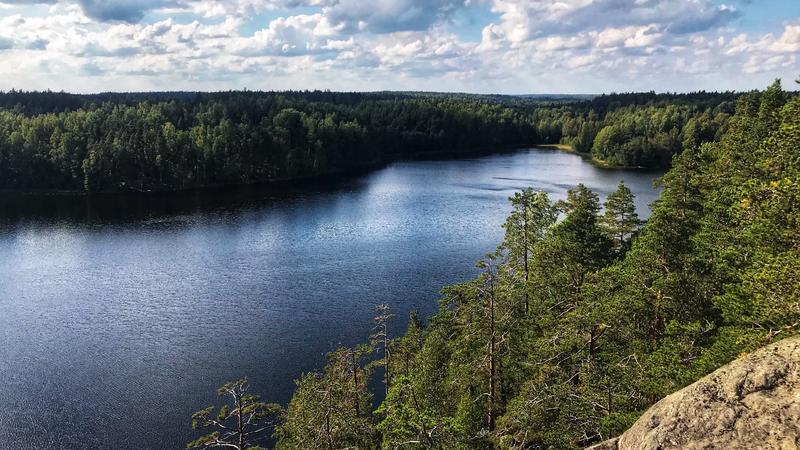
{"x": 331, "y": 410}
{"x": 174, "y": 141}
{"x": 620, "y": 220}
{"x": 582, "y": 319}
{"x": 637, "y": 130}
{"x": 382, "y": 343}
{"x": 409, "y": 422}
{"x": 532, "y": 215}
{"x": 238, "y": 425}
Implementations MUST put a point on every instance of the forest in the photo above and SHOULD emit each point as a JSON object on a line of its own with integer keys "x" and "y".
{"x": 168, "y": 141}
{"x": 583, "y": 317}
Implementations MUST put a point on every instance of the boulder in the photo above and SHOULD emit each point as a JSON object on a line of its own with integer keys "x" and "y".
{"x": 751, "y": 403}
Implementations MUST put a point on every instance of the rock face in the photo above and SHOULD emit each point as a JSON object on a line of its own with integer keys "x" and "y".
{"x": 751, "y": 403}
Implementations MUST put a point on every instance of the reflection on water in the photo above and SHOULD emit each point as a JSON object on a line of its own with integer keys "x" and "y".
{"x": 120, "y": 315}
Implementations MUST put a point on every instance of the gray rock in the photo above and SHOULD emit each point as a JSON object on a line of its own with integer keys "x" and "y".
{"x": 751, "y": 403}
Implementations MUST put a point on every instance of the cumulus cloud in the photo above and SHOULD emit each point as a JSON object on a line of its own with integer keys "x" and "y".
{"x": 294, "y": 35}
{"x": 786, "y": 42}
{"x": 631, "y": 36}
{"x": 384, "y": 16}
{"x": 380, "y": 16}
{"x": 768, "y": 53}
{"x": 530, "y": 45}
{"x": 641, "y": 41}
{"x": 122, "y": 10}
{"x": 219, "y": 8}
{"x": 133, "y": 11}
{"x": 525, "y": 19}
{"x": 27, "y": 2}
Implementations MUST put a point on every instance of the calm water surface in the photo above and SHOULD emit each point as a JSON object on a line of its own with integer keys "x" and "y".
{"x": 120, "y": 316}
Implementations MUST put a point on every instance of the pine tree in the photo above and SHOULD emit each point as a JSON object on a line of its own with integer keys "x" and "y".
{"x": 578, "y": 239}
{"x": 238, "y": 425}
{"x": 532, "y": 213}
{"x": 610, "y": 330}
{"x": 620, "y": 219}
{"x": 331, "y": 410}
{"x": 493, "y": 316}
{"x": 382, "y": 343}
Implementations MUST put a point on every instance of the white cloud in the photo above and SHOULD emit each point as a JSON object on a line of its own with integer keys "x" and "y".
{"x": 631, "y": 36}
{"x": 532, "y": 46}
{"x": 243, "y": 8}
{"x": 787, "y": 42}
{"x": 294, "y": 35}
{"x": 521, "y": 20}
{"x": 382, "y": 16}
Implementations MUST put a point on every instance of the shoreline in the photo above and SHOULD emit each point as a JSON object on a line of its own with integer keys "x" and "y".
{"x": 595, "y": 161}
{"x": 282, "y": 182}
{"x": 305, "y": 180}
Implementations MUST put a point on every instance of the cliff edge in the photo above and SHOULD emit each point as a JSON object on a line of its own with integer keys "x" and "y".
{"x": 751, "y": 403}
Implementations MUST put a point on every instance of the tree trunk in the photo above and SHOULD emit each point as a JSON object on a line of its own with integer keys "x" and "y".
{"x": 240, "y": 424}
{"x": 386, "y": 355}
{"x": 525, "y": 255}
{"x": 328, "y": 420}
{"x": 355, "y": 383}
{"x": 492, "y": 362}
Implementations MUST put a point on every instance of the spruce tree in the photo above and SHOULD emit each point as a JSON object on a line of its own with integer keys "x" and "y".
{"x": 620, "y": 219}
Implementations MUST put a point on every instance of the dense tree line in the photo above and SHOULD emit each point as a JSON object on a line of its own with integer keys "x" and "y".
{"x": 234, "y": 138}
{"x": 636, "y": 130}
{"x": 182, "y": 140}
{"x": 584, "y": 317}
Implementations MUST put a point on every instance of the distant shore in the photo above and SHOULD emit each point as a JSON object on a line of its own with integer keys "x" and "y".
{"x": 588, "y": 156}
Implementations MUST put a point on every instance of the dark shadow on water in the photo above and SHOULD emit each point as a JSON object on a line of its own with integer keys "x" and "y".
{"x": 123, "y": 208}
{"x": 137, "y": 207}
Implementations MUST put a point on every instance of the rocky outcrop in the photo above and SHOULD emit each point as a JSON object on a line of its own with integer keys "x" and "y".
{"x": 751, "y": 403}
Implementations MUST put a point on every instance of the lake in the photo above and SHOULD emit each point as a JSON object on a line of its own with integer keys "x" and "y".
{"x": 119, "y": 316}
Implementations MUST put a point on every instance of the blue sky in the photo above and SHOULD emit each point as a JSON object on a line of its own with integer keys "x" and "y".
{"x": 483, "y": 46}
